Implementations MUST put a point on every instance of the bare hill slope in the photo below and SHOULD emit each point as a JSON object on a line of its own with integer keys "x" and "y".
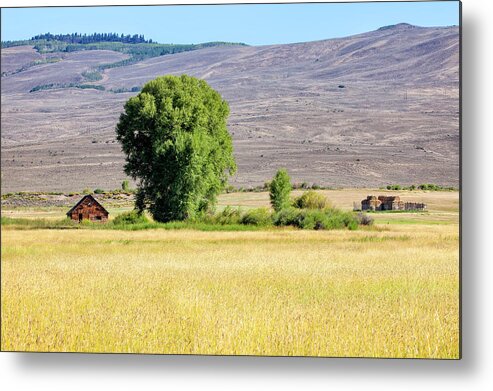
{"x": 366, "y": 110}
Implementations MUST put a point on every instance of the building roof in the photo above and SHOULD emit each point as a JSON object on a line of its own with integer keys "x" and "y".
{"x": 82, "y": 199}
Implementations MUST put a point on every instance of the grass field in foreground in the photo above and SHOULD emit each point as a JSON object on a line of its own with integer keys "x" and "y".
{"x": 335, "y": 293}
{"x": 389, "y": 291}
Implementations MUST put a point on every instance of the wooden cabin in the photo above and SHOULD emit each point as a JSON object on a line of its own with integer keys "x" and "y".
{"x": 88, "y": 208}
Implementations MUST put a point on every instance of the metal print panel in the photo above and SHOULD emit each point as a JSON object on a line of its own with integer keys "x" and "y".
{"x": 256, "y": 179}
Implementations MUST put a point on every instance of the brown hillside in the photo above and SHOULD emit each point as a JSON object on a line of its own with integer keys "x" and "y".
{"x": 394, "y": 121}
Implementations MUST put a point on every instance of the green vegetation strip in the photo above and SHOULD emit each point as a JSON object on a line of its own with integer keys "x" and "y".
{"x": 53, "y": 86}
{"x": 92, "y": 75}
{"x": 424, "y": 186}
{"x": 229, "y": 219}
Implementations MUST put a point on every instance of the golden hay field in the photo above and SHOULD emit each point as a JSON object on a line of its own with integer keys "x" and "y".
{"x": 389, "y": 291}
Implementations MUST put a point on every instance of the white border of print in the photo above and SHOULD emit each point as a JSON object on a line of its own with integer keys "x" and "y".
{"x": 473, "y": 372}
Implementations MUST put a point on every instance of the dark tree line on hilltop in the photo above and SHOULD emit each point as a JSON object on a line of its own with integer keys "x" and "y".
{"x": 92, "y": 38}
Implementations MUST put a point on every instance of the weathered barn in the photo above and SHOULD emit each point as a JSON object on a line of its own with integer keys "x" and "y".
{"x": 88, "y": 208}
{"x": 389, "y": 203}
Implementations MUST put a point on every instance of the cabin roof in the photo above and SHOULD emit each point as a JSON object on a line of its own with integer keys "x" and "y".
{"x": 82, "y": 199}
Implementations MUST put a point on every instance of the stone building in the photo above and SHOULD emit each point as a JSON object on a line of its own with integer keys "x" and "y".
{"x": 389, "y": 203}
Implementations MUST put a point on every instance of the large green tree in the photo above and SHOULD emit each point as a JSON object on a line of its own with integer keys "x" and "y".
{"x": 177, "y": 146}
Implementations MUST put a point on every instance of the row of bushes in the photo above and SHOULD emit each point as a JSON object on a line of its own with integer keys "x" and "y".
{"x": 266, "y": 186}
{"x": 316, "y": 219}
{"x": 125, "y": 189}
{"x": 424, "y": 186}
{"x": 262, "y": 217}
{"x": 228, "y": 219}
{"x": 311, "y": 210}
{"x": 232, "y": 216}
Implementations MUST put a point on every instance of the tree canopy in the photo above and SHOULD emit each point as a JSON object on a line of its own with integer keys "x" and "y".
{"x": 177, "y": 146}
{"x": 91, "y": 38}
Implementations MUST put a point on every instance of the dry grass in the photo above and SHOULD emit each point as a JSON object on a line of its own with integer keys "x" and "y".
{"x": 339, "y": 293}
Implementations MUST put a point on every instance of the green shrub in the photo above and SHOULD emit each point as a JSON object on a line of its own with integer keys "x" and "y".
{"x": 311, "y": 200}
{"x": 280, "y": 189}
{"x": 288, "y": 216}
{"x": 227, "y": 216}
{"x": 260, "y": 217}
{"x": 351, "y": 223}
{"x": 125, "y": 185}
{"x": 87, "y": 191}
{"x": 132, "y": 217}
{"x": 338, "y": 219}
{"x": 330, "y": 219}
{"x": 98, "y": 191}
{"x": 316, "y": 219}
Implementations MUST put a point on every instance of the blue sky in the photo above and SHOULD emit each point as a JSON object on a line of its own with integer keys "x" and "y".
{"x": 257, "y": 24}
